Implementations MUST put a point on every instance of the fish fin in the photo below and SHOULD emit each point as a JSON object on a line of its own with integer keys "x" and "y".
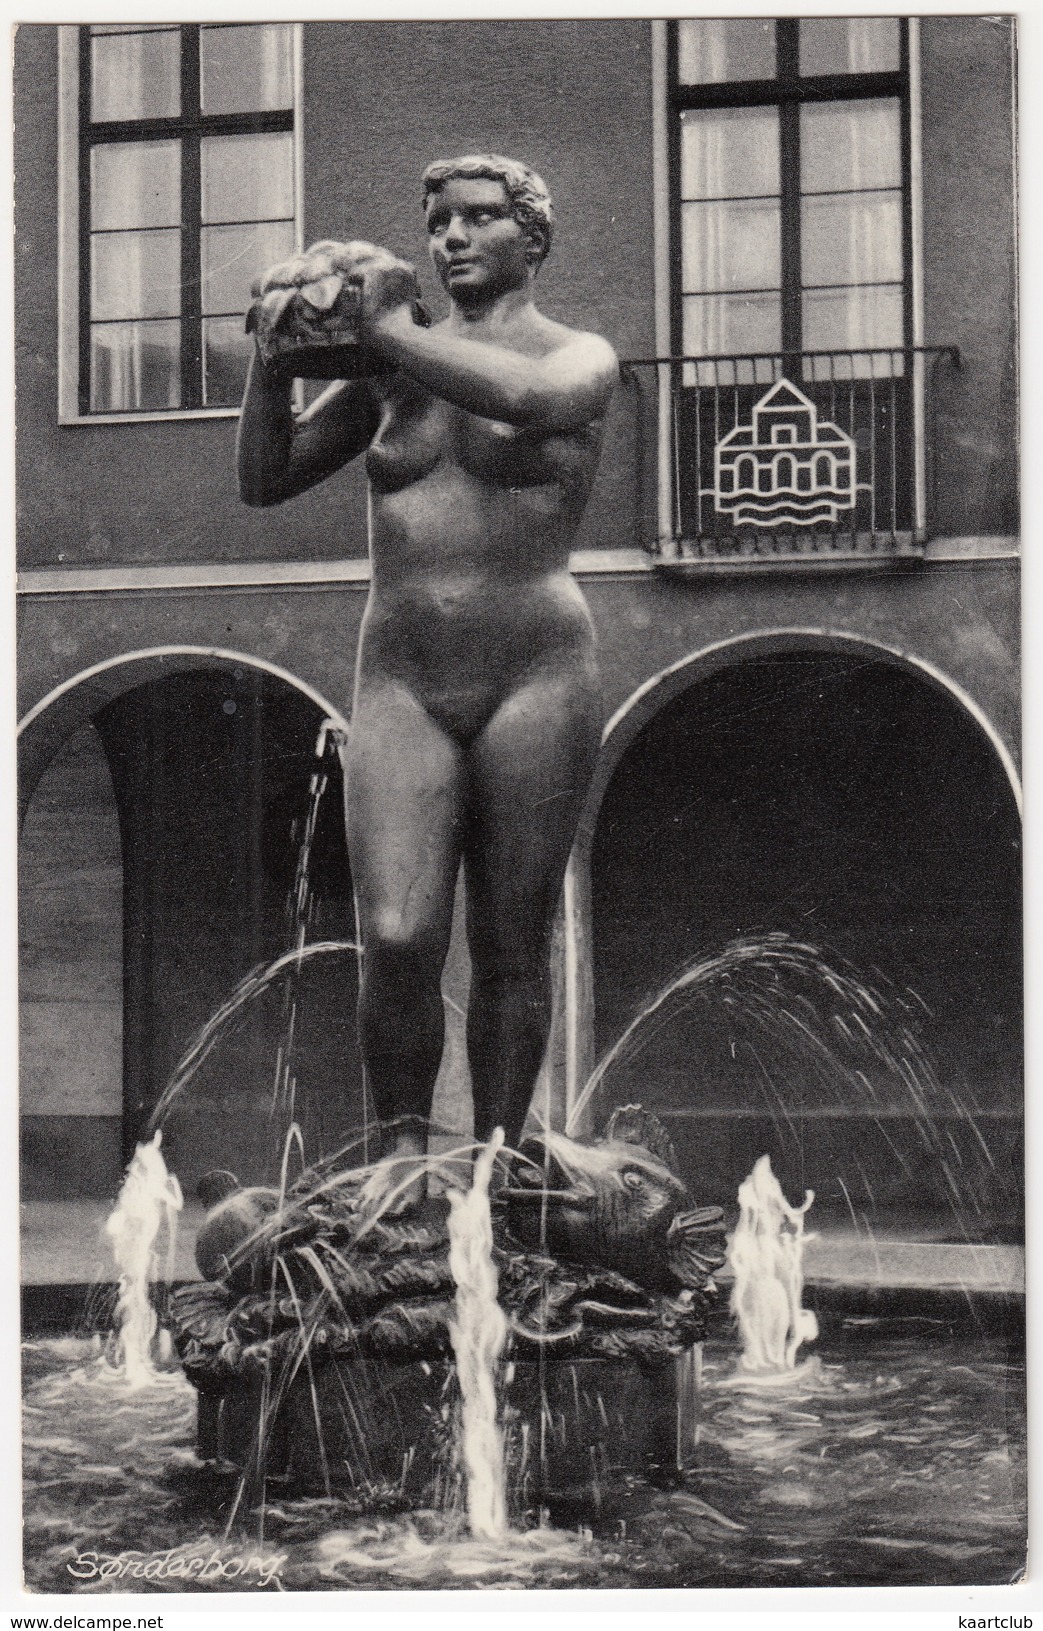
{"x": 323, "y": 291}
{"x": 633, "y": 1124}
{"x": 695, "y": 1244}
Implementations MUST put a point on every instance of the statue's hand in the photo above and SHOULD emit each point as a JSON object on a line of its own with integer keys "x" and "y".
{"x": 386, "y": 284}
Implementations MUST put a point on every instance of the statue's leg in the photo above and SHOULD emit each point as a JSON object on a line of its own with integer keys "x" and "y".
{"x": 404, "y": 808}
{"x": 530, "y": 770}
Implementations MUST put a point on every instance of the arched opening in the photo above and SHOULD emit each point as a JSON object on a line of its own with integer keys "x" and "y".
{"x": 207, "y": 763}
{"x": 839, "y": 796}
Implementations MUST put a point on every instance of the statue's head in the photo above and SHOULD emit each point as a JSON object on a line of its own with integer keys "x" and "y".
{"x": 529, "y": 199}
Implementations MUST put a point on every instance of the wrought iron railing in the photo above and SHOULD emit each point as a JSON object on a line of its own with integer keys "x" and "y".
{"x": 820, "y": 454}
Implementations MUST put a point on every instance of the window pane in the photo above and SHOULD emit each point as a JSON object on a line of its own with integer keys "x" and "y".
{"x": 732, "y": 245}
{"x": 136, "y": 76}
{"x": 226, "y": 356}
{"x": 247, "y": 178}
{"x": 729, "y": 324}
{"x": 849, "y": 145}
{"x": 710, "y": 51}
{"x": 848, "y": 45}
{"x": 847, "y": 319}
{"x": 733, "y": 153}
{"x": 135, "y": 366}
{"x": 246, "y": 68}
{"x": 135, "y": 184}
{"x": 852, "y": 238}
{"x": 234, "y": 256}
{"x": 135, "y": 274}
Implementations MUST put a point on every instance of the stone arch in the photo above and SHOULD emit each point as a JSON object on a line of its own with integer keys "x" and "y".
{"x": 55, "y": 717}
{"x": 737, "y": 789}
{"x": 633, "y": 715}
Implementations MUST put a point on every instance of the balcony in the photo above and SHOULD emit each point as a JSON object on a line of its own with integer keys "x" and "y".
{"x": 819, "y": 457}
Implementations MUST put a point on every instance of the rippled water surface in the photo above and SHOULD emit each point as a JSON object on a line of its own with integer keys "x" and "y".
{"x": 894, "y": 1458}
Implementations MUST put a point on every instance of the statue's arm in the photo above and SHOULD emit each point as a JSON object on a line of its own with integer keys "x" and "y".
{"x": 279, "y": 454}
{"x": 561, "y": 392}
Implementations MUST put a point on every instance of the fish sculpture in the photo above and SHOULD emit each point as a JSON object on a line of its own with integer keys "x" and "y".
{"x": 619, "y": 1203}
{"x": 305, "y": 312}
{"x": 234, "y": 1225}
{"x": 599, "y": 1252}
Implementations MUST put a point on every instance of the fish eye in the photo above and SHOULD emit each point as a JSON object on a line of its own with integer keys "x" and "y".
{"x": 632, "y": 1179}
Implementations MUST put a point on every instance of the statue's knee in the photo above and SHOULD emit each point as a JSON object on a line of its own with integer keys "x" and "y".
{"x": 395, "y": 949}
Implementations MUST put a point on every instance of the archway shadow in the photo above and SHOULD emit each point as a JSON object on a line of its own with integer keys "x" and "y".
{"x": 839, "y": 796}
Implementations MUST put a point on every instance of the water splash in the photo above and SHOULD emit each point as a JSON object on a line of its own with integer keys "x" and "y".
{"x": 478, "y": 1331}
{"x": 299, "y": 914}
{"x": 225, "y": 1019}
{"x": 765, "y": 1255}
{"x": 432, "y": 1549}
{"x": 812, "y": 1037}
{"x": 818, "y": 1014}
{"x": 148, "y": 1202}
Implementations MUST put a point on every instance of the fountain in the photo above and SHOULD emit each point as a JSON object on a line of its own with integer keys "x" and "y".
{"x": 765, "y": 1255}
{"x": 552, "y": 1339}
{"x": 324, "y": 1349}
{"x": 148, "y": 1202}
{"x": 478, "y": 1331}
{"x": 415, "y": 1400}
{"x": 347, "y": 1366}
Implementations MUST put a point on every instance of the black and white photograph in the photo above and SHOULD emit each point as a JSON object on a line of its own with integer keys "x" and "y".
{"x": 519, "y": 868}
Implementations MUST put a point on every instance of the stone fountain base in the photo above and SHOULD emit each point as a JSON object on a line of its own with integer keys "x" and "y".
{"x": 385, "y": 1429}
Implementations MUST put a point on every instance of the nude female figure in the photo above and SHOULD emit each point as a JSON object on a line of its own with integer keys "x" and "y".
{"x": 477, "y": 711}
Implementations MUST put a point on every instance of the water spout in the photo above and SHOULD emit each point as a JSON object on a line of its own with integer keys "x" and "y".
{"x": 766, "y": 1257}
{"x": 149, "y": 1199}
{"x": 478, "y": 1331}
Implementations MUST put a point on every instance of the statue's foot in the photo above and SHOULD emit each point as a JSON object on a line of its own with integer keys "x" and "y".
{"x": 397, "y": 1187}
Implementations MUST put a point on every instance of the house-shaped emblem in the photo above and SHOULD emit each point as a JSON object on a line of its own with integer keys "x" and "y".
{"x": 786, "y": 466}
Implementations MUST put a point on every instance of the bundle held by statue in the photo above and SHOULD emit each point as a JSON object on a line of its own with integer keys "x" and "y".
{"x": 306, "y": 312}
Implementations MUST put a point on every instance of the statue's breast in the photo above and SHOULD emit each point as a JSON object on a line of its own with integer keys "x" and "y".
{"x": 518, "y": 457}
{"x": 410, "y": 440}
{"x": 418, "y": 432}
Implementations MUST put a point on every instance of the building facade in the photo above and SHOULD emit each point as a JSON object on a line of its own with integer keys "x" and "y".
{"x": 801, "y": 556}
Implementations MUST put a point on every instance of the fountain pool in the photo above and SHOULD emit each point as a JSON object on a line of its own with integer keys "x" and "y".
{"x": 897, "y": 1458}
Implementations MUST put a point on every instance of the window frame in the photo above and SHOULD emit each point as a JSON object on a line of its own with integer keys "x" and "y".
{"x": 788, "y": 91}
{"x": 77, "y": 136}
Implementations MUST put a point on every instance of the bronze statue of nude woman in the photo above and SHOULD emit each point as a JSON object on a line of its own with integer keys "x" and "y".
{"x": 477, "y": 711}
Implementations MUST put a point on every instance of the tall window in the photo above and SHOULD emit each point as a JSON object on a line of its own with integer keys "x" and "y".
{"x": 792, "y": 284}
{"x": 186, "y": 178}
{"x": 790, "y": 143}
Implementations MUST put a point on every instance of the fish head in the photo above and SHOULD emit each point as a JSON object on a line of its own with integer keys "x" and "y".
{"x": 618, "y": 1203}
{"x": 232, "y": 1243}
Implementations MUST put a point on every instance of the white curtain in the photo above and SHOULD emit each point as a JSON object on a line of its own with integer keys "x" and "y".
{"x": 136, "y": 75}
{"x": 134, "y": 367}
{"x": 852, "y": 221}
{"x": 246, "y": 67}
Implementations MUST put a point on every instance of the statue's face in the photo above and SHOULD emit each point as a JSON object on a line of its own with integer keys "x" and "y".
{"x": 478, "y": 249}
